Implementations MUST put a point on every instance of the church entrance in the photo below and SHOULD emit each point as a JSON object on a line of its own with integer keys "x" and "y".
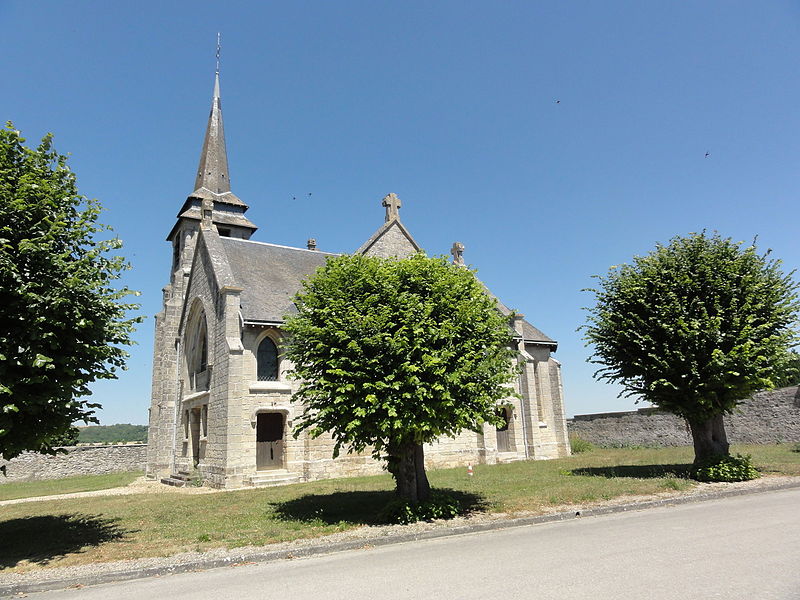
{"x": 269, "y": 441}
{"x": 502, "y": 431}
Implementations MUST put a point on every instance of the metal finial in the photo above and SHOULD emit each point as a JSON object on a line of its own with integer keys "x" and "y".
{"x": 218, "y": 48}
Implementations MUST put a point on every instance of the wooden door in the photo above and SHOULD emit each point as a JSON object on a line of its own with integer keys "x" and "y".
{"x": 502, "y": 431}
{"x": 269, "y": 441}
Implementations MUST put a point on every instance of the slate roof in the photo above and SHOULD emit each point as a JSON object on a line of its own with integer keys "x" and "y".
{"x": 530, "y": 333}
{"x": 223, "y": 198}
{"x": 224, "y": 218}
{"x": 534, "y": 334}
{"x": 270, "y": 275}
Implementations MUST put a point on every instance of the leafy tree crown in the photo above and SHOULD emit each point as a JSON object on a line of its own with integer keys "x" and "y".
{"x": 63, "y": 323}
{"x": 394, "y": 351}
{"x": 694, "y": 326}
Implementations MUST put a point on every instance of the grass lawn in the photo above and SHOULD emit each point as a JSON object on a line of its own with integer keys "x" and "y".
{"x": 79, "y": 483}
{"x": 85, "y": 530}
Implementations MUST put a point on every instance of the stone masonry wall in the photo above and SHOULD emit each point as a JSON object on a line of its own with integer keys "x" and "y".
{"x": 79, "y": 460}
{"x": 392, "y": 243}
{"x": 767, "y": 418}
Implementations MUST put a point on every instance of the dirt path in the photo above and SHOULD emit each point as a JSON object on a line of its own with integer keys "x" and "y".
{"x": 140, "y": 485}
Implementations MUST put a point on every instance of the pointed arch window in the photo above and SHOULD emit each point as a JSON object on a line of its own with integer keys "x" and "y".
{"x": 267, "y": 360}
{"x": 199, "y": 370}
{"x": 199, "y": 349}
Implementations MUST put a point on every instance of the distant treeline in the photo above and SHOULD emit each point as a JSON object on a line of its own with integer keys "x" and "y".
{"x": 108, "y": 434}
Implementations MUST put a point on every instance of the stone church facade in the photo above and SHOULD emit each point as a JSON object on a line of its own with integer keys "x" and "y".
{"x": 220, "y": 407}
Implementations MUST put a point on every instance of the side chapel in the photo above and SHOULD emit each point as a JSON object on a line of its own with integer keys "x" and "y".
{"x": 220, "y": 407}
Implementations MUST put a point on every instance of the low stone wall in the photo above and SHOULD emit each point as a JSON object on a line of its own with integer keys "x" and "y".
{"x": 79, "y": 460}
{"x": 767, "y": 418}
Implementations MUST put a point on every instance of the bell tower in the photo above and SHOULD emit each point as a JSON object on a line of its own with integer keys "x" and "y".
{"x": 212, "y": 200}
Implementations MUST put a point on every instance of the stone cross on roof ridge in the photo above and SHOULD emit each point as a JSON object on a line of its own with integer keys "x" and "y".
{"x": 392, "y": 204}
{"x": 458, "y": 254}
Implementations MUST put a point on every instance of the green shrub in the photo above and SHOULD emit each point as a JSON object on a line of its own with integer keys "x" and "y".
{"x": 577, "y": 444}
{"x": 726, "y": 468}
{"x": 796, "y": 448}
{"x": 440, "y": 505}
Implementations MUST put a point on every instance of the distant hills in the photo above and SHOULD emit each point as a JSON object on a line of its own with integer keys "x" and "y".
{"x": 109, "y": 434}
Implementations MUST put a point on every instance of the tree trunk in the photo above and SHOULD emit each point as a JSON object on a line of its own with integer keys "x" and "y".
{"x": 406, "y": 476}
{"x": 709, "y": 439}
{"x": 407, "y": 465}
{"x": 423, "y": 487}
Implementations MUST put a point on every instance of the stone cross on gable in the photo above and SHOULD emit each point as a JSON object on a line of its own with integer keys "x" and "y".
{"x": 392, "y": 204}
{"x": 458, "y": 254}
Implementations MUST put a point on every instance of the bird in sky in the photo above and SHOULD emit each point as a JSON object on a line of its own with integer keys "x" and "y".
{"x": 558, "y": 101}
{"x": 708, "y": 154}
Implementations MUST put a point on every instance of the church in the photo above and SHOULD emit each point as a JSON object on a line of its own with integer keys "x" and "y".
{"x": 220, "y": 409}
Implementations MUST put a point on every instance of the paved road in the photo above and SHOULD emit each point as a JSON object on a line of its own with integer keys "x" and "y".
{"x": 746, "y": 547}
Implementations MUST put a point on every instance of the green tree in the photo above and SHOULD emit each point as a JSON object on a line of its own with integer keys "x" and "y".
{"x": 695, "y": 327}
{"x": 791, "y": 376}
{"x": 120, "y": 432}
{"x": 70, "y": 438}
{"x": 393, "y": 354}
{"x": 62, "y": 323}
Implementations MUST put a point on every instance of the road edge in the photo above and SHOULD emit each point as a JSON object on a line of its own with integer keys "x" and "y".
{"x": 327, "y": 548}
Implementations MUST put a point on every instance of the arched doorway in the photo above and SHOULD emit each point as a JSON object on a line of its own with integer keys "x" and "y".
{"x": 269, "y": 440}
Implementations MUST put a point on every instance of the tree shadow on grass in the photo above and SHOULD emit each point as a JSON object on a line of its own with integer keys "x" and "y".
{"x": 358, "y": 508}
{"x": 44, "y": 538}
{"x": 638, "y": 471}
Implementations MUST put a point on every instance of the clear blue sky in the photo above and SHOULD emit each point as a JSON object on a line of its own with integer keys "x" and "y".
{"x": 449, "y": 104}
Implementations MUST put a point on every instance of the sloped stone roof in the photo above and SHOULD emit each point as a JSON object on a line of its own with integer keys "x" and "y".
{"x": 269, "y": 275}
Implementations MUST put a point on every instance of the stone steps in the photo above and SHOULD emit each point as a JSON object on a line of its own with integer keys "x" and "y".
{"x": 271, "y": 478}
{"x": 507, "y": 457}
{"x": 179, "y": 479}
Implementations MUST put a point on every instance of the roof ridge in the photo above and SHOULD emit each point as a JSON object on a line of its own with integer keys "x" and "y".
{"x": 280, "y": 246}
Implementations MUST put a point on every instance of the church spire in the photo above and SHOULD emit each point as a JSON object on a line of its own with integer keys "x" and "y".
{"x": 212, "y": 187}
{"x": 212, "y": 173}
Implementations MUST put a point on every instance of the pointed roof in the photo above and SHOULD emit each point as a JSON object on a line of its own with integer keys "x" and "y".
{"x": 213, "y": 179}
{"x": 392, "y": 238}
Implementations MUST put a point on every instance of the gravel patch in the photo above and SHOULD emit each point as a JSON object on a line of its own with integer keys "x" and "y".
{"x": 365, "y": 537}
